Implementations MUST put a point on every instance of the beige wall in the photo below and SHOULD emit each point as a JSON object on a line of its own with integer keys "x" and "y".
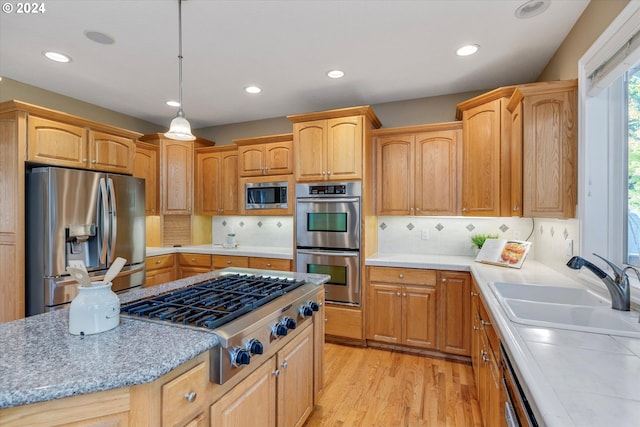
{"x": 593, "y": 21}
{"x": 13, "y": 89}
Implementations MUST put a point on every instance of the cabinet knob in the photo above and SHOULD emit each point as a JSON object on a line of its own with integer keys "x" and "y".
{"x": 193, "y": 260}
{"x": 474, "y": 294}
{"x": 268, "y": 264}
{"x": 84, "y": 160}
{"x": 328, "y": 172}
{"x": 324, "y": 173}
{"x": 485, "y": 323}
{"x": 485, "y": 359}
{"x": 464, "y": 209}
{"x": 93, "y": 161}
{"x": 284, "y": 364}
{"x": 158, "y": 262}
{"x": 398, "y": 294}
{"x": 443, "y": 280}
{"x": 404, "y": 294}
{"x": 228, "y": 262}
{"x": 191, "y": 396}
{"x": 401, "y": 276}
{"x": 411, "y": 209}
{"x": 516, "y": 208}
{"x": 276, "y": 372}
{"x": 475, "y": 328}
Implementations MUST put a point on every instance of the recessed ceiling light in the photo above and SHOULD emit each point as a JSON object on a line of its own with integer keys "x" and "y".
{"x": 467, "y": 50}
{"x": 252, "y": 89}
{"x": 335, "y": 74}
{"x": 531, "y": 8}
{"x": 173, "y": 103}
{"x": 56, "y": 56}
{"x": 99, "y": 37}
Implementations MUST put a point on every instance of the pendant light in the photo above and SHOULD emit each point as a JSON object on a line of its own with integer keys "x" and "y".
{"x": 180, "y": 128}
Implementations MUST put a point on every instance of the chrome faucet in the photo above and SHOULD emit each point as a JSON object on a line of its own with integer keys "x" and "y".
{"x": 618, "y": 285}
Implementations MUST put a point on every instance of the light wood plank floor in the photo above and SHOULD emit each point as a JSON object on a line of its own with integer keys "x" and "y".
{"x": 370, "y": 387}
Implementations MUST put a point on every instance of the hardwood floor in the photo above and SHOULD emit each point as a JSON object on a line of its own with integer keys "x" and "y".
{"x": 370, "y": 387}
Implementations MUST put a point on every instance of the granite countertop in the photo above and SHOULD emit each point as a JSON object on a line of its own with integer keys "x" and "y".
{"x": 573, "y": 378}
{"x": 240, "y": 250}
{"x": 40, "y": 360}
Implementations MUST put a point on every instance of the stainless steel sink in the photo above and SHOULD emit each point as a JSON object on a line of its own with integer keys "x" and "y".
{"x": 564, "y": 308}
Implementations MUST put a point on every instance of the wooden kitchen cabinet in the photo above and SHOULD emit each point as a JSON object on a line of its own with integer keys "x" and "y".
{"x": 417, "y": 170}
{"x": 329, "y": 145}
{"x": 544, "y": 121}
{"x": 402, "y": 306}
{"x": 454, "y": 309}
{"x": 184, "y": 397}
{"x": 190, "y": 264}
{"x": 160, "y": 269}
{"x": 176, "y": 177}
{"x": 266, "y": 155}
{"x": 65, "y": 144}
{"x": 217, "y": 185}
{"x": 343, "y": 323}
{"x": 281, "y": 390}
{"x": 147, "y": 166}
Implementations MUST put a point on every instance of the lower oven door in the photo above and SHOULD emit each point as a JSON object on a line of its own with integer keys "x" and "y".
{"x": 342, "y": 266}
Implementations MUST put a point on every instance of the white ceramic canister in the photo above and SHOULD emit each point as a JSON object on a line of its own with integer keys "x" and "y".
{"x": 95, "y": 309}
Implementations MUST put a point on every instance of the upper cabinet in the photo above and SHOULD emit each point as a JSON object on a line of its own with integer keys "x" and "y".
{"x": 176, "y": 172}
{"x": 329, "y": 145}
{"x": 544, "y": 124}
{"x": 520, "y": 151}
{"x": 217, "y": 188}
{"x": 267, "y": 155}
{"x": 147, "y": 166}
{"x": 417, "y": 170}
{"x": 486, "y": 155}
{"x": 76, "y": 144}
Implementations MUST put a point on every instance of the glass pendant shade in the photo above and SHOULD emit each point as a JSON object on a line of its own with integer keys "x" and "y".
{"x": 180, "y": 129}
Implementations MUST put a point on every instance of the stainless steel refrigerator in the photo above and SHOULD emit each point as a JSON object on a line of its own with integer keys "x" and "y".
{"x": 81, "y": 215}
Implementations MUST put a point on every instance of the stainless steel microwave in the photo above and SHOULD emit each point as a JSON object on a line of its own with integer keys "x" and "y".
{"x": 266, "y": 195}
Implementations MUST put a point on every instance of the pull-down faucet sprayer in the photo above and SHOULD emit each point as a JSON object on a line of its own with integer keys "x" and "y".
{"x": 618, "y": 286}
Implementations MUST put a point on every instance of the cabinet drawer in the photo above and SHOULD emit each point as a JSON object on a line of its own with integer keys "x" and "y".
{"x": 159, "y": 261}
{"x": 402, "y": 275}
{"x": 343, "y": 322}
{"x": 270, "y": 264}
{"x": 224, "y": 261}
{"x": 195, "y": 260}
{"x": 185, "y": 396}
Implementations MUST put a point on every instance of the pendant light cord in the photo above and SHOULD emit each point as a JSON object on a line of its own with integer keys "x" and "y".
{"x": 180, "y": 112}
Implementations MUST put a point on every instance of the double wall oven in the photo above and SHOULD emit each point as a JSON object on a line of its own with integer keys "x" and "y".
{"x": 328, "y": 237}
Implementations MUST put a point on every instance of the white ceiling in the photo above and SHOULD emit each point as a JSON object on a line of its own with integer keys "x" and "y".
{"x": 389, "y": 50}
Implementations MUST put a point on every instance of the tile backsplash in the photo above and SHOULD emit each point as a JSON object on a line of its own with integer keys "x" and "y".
{"x": 268, "y": 231}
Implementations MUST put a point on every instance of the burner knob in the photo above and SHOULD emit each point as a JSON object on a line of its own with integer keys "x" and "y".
{"x": 289, "y": 323}
{"x": 240, "y": 356}
{"x": 255, "y": 347}
{"x": 279, "y": 330}
{"x": 305, "y": 311}
{"x": 314, "y": 305}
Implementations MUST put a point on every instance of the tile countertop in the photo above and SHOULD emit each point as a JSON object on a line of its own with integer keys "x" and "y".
{"x": 240, "y": 250}
{"x": 573, "y": 378}
{"x": 40, "y": 360}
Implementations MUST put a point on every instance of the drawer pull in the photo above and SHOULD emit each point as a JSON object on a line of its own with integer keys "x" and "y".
{"x": 485, "y": 323}
{"x": 474, "y": 294}
{"x": 443, "y": 280}
{"x": 158, "y": 262}
{"x": 228, "y": 262}
{"x": 191, "y": 396}
{"x": 475, "y": 328}
{"x": 268, "y": 264}
{"x": 401, "y": 276}
{"x": 485, "y": 359}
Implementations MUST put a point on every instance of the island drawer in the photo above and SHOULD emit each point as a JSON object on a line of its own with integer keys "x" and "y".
{"x": 185, "y": 396}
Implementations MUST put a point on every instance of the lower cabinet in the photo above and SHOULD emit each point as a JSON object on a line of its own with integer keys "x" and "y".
{"x": 184, "y": 398}
{"x": 402, "y": 306}
{"x": 485, "y": 357}
{"x": 281, "y": 390}
{"x": 193, "y": 264}
{"x": 343, "y": 322}
{"x": 454, "y": 307}
{"x": 160, "y": 269}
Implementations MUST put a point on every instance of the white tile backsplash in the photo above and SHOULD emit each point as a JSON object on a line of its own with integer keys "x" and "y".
{"x": 269, "y": 231}
{"x": 551, "y": 237}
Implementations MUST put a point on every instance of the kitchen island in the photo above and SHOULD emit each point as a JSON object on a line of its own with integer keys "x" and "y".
{"x": 127, "y": 374}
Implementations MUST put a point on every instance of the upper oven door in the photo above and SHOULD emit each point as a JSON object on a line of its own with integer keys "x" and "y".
{"x": 328, "y": 222}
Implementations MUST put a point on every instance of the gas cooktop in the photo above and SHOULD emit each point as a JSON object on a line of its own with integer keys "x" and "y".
{"x": 213, "y": 303}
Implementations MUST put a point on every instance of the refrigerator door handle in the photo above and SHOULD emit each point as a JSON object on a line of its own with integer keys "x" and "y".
{"x": 105, "y": 222}
{"x": 114, "y": 220}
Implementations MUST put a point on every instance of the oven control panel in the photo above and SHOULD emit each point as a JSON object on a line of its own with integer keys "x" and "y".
{"x": 328, "y": 189}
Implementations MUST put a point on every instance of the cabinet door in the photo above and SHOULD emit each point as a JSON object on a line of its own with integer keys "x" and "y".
{"x": 111, "y": 153}
{"x": 279, "y": 158}
{"x": 419, "y": 311}
{"x": 207, "y": 185}
{"x": 454, "y": 291}
{"x": 146, "y": 166}
{"x": 256, "y": 394}
{"x": 310, "y": 140}
{"x": 295, "y": 382}
{"x": 252, "y": 160}
{"x": 550, "y": 155}
{"x": 385, "y": 313}
{"x": 177, "y": 177}
{"x": 481, "y": 160}
{"x": 436, "y": 173}
{"x": 394, "y": 178}
{"x": 56, "y": 143}
{"x": 344, "y": 148}
{"x": 228, "y": 183}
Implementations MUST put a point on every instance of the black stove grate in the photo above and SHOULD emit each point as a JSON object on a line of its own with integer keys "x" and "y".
{"x": 213, "y": 303}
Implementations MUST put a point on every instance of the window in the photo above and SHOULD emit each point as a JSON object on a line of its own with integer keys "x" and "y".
{"x": 632, "y": 172}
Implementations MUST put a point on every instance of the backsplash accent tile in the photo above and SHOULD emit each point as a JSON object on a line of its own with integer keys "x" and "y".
{"x": 470, "y": 227}
{"x": 551, "y": 246}
{"x": 504, "y": 228}
{"x": 383, "y": 226}
{"x": 410, "y": 226}
{"x": 439, "y": 227}
{"x": 268, "y": 231}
